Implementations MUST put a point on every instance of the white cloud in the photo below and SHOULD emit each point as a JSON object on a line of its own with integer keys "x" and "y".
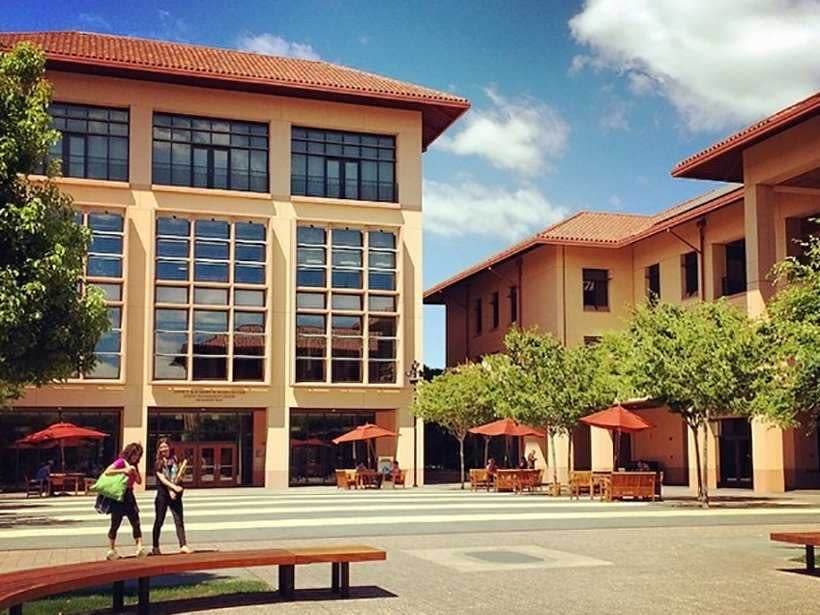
{"x": 615, "y": 201}
{"x": 523, "y": 135}
{"x": 615, "y": 115}
{"x": 94, "y": 21}
{"x": 470, "y": 208}
{"x": 719, "y": 64}
{"x": 272, "y": 45}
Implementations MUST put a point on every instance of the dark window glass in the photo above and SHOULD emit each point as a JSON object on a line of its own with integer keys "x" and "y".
{"x": 494, "y": 310}
{"x": 346, "y": 371}
{"x": 216, "y": 154}
{"x": 596, "y": 289}
{"x": 338, "y": 167}
{"x": 513, "y": 296}
{"x": 92, "y": 149}
{"x": 478, "y": 317}
{"x": 735, "y": 280}
{"x": 691, "y": 282}
{"x": 653, "y": 283}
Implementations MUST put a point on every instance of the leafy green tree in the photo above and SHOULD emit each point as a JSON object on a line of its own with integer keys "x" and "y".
{"x": 457, "y": 400}
{"x": 794, "y": 331}
{"x": 541, "y": 383}
{"x": 48, "y": 326}
{"x": 703, "y": 361}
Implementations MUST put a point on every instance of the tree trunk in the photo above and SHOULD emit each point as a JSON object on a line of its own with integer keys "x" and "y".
{"x": 461, "y": 458}
{"x": 569, "y": 454}
{"x": 694, "y": 428}
{"x": 705, "y": 500}
{"x": 554, "y": 460}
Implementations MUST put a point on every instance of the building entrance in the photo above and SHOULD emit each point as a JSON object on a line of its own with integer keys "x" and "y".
{"x": 735, "y": 443}
{"x": 211, "y": 465}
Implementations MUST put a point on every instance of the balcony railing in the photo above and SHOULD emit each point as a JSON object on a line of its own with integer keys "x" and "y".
{"x": 361, "y": 190}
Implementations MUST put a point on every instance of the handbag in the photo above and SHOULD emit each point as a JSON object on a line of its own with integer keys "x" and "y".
{"x": 111, "y": 486}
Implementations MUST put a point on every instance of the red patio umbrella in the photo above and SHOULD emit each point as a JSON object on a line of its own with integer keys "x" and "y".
{"x": 62, "y": 435}
{"x": 367, "y": 432}
{"x": 506, "y": 427}
{"x": 309, "y": 442}
{"x": 617, "y": 420}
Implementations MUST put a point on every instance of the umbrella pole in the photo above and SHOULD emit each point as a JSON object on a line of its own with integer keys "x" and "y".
{"x": 62, "y": 456}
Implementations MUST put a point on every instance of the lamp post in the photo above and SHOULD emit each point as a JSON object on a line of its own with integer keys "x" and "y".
{"x": 413, "y": 376}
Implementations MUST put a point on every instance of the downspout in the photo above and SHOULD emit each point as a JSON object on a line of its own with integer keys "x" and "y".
{"x": 520, "y": 298}
{"x": 467, "y": 324}
{"x": 564, "y": 292}
{"x": 702, "y": 240}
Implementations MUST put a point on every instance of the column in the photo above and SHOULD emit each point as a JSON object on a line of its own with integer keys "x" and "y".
{"x": 759, "y": 204}
{"x": 277, "y": 451}
{"x": 767, "y": 458}
{"x": 601, "y": 449}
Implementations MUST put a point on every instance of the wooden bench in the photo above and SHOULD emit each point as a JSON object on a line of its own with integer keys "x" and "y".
{"x": 479, "y": 479}
{"x": 17, "y": 588}
{"x": 580, "y": 480}
{"x": 346, "y": 479}
{"x": 808, "y": 539}
{"x": 637, "y": 485}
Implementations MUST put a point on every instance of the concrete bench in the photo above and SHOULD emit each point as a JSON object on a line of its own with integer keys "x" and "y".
{"x": 17, "y": 588}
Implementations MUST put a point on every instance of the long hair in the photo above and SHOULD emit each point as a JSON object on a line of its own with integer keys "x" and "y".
{"x": 158, "y": 466}
{"x": 133, "y": 449}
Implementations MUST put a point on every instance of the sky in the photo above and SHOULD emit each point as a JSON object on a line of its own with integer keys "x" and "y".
{"x": 576, "y": 105}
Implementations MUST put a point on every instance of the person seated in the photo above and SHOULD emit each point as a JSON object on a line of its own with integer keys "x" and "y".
{"x": 522, "y": 465}
{"x": 44, "y": 471}
{"x": 395, "y": 473}
{"x": 360, "y": 467}
{"x": 531, "y": 460}
{"x": 491, "y": 469}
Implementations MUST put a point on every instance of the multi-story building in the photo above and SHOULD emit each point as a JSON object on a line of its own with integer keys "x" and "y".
{"x": 256, "y": 227}
{"x": 582, "y": 276}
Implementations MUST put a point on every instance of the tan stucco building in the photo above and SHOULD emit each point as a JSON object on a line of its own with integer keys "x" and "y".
{"x": 257, "y": 231}
{"x": 581, "y": 276}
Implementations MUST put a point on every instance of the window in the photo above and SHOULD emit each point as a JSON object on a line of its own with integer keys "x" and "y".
{"x": 343, "y": 165}
{"x": 104, "y": 270}
{"x": 653, "y": 283}
{"x": 93, "y": 142}
{"x": 596, "y": 289}
{"x": 735, "y": 280}
{"x": 210, "y": 299}
{"x": 346, "y": 305}
{"x": 513, "y": 296}
{"x": 494, "y": 310}
{"x": 478, "y": 317}
{"x": 691, "y": 282}
{"x": 210, "y": 153}
{"x": 798, "y": 233}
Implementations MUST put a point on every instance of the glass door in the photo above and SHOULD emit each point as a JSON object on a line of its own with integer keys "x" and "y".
{"x": 226, "y": 465}
{"x": 735, "y": 454}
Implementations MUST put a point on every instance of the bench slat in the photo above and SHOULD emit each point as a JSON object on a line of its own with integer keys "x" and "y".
{"x": 798, "y": 538}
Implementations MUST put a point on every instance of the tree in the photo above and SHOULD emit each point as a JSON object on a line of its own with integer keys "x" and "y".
{"x": 48, "y": 326}
{"x": 457, "y": 400}
{"x": 794, "y": 333}
{"x": 544, "y": 384}
{"x": 703, "y": 361}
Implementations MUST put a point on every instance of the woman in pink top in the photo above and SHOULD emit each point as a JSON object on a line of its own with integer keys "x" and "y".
{"x": 127, "y": 463}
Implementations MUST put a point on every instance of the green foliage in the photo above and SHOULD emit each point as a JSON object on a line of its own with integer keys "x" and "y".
{"x": 794, "y": 333}
{"x": 48, "y": 328}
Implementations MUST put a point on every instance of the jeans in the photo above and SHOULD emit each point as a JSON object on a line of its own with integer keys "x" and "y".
{"x": 161, "y": 506}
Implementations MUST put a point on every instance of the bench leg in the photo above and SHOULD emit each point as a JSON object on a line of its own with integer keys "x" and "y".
{"x": 17, "y": 609}
{"x": 143, "y": 591}
{"x": 118, "y": 601}
{"x": 287, "y": 581}
{"x": 810, "y": 557}
{"x": 345, "y": 579}
{"x": 334, "y": 577}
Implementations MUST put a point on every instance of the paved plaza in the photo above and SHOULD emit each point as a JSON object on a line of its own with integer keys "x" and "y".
{"x": 460, "y": 552}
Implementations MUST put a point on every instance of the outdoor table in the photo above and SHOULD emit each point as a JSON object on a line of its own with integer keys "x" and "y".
{"x": 509, "y": 480}
{"x": 62, "y": 479}
{"x": 368, "y": 479}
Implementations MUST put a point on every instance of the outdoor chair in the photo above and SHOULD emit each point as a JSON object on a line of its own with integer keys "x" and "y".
{"x": 345, "y": 479}
{"x": 580, "y": 481}
{"x": 479, "y": 479}
{"x": 399, "y": 479}
{"x": 38, "y": 486}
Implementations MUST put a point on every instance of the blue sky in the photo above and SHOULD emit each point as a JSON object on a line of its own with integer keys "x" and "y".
{"x": 576, "y": 105}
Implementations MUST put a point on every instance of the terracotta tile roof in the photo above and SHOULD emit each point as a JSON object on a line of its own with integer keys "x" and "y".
{"x": 723, "y": 160}
{"x": 294, "y": 76}
{"x": 600, "y": 229}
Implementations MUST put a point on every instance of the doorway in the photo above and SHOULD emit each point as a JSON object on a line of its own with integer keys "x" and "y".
{"x": 211, "y": 465}
{"x": 735, "y": 444}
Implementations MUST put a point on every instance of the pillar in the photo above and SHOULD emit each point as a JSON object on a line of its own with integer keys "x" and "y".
{"x": 601, "y": 449}
{"x": 768, "y": 469}
{"x": 759, "y": 208}
{"x": 277, "y": 451}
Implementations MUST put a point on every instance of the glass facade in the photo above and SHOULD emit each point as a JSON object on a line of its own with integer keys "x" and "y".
{"x": 210, "y": 153}
{"x": 104, "y": 270}
{"x": 347, "y": 305}
{"x": 91, "y": 459}
{"x": 210, "y": 299}
{"x": 93, "y": 142}
{"x": 343, "y": 165}
{"x": 313, "y": 456}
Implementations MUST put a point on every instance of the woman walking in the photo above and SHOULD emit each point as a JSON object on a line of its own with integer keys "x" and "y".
{"x": 169, "y": 495}
{"x": 127, "y": 464}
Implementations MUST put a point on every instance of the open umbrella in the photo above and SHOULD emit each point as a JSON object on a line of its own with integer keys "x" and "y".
{"x": 367, "y": 432}
{"x": 506, "y": 427}
{"x": 309, "y": 442}
{"x": 617, "y": 420}
{"x": 62, "y": 435}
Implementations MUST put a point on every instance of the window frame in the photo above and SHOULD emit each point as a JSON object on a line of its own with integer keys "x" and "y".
{"x": 652, "y": 277}
{"x": 327, "y": 311}
{"x": 300, "y": 184}
{"x": 67, "y": 134}
{"x": 230, "y": 307}
{"x": 513, "y": 297}
{"x": 121, "y": 281}
{"x": 743, "y": 287}
{"x": 687, "y": 259}
{"x": 210, "y": 148}
{"x": 595, "y": 307}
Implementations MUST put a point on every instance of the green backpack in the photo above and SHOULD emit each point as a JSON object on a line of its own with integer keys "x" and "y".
{"x": 111, "y": 486}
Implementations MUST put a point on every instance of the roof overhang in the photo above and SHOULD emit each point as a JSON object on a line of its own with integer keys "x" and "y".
{"x": 436, "y": 116}
{"x": 723, "y": 161}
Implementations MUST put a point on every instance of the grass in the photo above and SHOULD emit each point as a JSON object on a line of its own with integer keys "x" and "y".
{"x": 94, "y": 599}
